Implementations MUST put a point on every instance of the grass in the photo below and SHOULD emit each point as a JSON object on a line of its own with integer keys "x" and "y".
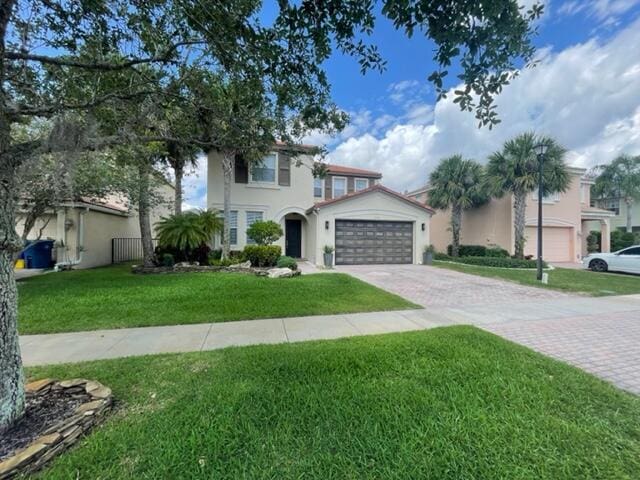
{"x": 566, "y": 279}
{"x": 448, "y": 403}
{"x": 113, "y": 297}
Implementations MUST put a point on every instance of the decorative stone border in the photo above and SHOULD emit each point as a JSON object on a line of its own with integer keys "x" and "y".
{"x": 180, "y": 268}
{"x": 65, "y": 433}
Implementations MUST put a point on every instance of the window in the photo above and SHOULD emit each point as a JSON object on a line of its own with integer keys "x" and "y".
{"x": 361, "y": 184}
{"x": 265, "y": 171}
{"x": 631, "y": 251}
{"x": 551, "y": 198}
{"x": 612, "y": 204}
{"x": 318, "y": 183}
{"x": 233, "y": 228}
{"x": 252, "y": 217}
{"x": 339, "y": 187}
{"x": 583, "y": 193}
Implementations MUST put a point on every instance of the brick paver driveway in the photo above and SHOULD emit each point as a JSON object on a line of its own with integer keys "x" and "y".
{"x": 600, "y": 335}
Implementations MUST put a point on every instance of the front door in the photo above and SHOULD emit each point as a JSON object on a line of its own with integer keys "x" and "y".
{"x": 293, "y": 238}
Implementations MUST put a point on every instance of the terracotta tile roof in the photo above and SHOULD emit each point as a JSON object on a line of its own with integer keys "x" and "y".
{"x": 374, "y": 188}
{"x": 340, "y": 169}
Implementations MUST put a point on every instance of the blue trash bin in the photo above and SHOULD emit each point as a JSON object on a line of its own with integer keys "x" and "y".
{"x": 38, "y": 254}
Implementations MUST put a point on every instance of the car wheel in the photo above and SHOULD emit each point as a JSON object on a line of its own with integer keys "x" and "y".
{"x": 599, "y": 266}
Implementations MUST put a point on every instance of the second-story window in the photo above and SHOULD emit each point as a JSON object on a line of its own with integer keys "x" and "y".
{"x": 265, "y": 171}
{"x": 317, "y": 187}
{"x": 339, "y": 186}
{"x": 361, "y": 184}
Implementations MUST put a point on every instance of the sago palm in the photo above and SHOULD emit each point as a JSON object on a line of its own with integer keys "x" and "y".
{"x": 456, "y": 183}
{"x": 514, "y": 170}
{"x": 188, "y": 231}
{"x": 620, "y": 179}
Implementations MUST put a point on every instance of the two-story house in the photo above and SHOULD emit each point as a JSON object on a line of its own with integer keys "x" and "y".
{"x": 567, "y": 221}
{"x": 349, "y": 209}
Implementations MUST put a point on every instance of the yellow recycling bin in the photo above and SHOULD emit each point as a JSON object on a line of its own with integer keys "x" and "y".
{"x": 20, "y": 264}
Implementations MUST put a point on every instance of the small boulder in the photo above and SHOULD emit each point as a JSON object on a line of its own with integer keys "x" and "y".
{"x": 281, "y": 273}
{"x": 245, "y": 265}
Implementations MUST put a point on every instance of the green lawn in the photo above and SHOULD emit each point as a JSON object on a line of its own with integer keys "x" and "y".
{"x": 113, "y": 297}
{"x": 566, "y": 279}
{"x": 449, "y": 403}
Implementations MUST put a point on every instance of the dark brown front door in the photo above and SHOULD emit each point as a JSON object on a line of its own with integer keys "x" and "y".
{"x": 370, "y": 242}
{"x": 293, "y": 238}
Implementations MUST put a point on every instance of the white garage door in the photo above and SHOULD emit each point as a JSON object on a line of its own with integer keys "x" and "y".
{"x": 556, "y": 243}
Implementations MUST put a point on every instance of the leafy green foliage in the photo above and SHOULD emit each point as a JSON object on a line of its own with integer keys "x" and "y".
{"x": 262, "y": 255}
{"x": 496, "y": 252}
{"x": 469, "y": 250}
{"x": 328, "y": 249}
{"x": 485, "y": 261}
{"x": 287, "y": 262}
{"x": 619, "y": 179}
{"x": 264, "y": 232}
{"x": 189, "y": 230}
{"x": 620, "y": 240}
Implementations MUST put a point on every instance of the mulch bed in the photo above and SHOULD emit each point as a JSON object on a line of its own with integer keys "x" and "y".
{"x": 41, "y": 413}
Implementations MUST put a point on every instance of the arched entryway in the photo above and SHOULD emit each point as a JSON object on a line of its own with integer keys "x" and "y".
{"x": 294, "y": 235}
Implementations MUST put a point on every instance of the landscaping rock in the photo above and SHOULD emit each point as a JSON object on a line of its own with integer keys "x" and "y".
{"x": 282, "y": 273}
{"x": 246, "y": 264}
{"x": 96, "y": 401}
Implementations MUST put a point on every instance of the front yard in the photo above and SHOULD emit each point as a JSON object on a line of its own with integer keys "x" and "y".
{"x": 448, "y": 403}
{"x": 113, "y": 297}
{"x": 566, "y": 279}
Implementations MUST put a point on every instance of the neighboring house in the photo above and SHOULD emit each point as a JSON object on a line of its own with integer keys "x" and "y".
{"x": 349, "y": 209}
{"x": 83, "y": 230}
{"x": 619, "y": 207}
{"x": 567, "y": 221}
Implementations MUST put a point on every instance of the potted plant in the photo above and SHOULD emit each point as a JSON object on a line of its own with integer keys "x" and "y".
{"x": 328, "y": 256}
{"x": 427, "y": 255}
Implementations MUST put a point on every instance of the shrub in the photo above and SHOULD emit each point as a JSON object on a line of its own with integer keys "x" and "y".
{"x": 215, "y": 254}
{"x": 264, "y": 233}
{"x": 594, "y": 241}
{"x": 287, "y": 262}
{"x": 222, "y": 262}
{"x": 327, "y": 249}
{"x": 186, "y": 235}
{"x": 497, "y": 252}
{"x": 621, "y": 239}
{"x": 429, "y": 249}
{"x": 500, "y": 262}
{"x": 262, "y": 255}
{"x": 469, "y": 250}
{"x": 168, "y": 260}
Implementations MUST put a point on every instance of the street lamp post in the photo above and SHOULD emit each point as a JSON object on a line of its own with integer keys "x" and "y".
{"x": 541, "y": 150}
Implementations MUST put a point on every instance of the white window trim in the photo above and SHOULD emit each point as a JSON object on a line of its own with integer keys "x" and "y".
{"x": 267, "y": 184}
{"x": 355, "y": 184}
{"x": 554, "y": 198}
{"x": 322, "y": 180}
{"x": 333, "y": 186}
{"x": 237, "y": 212}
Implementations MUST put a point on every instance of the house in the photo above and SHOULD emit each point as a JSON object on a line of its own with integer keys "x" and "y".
{"x": 567, "y": 220}
{"x": 86, "y": 231}
{"x": 349, "y": 209}
{"x": 619, "y": 207}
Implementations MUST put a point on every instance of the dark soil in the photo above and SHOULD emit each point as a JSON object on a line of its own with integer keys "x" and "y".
{"x": 42, "y": 412}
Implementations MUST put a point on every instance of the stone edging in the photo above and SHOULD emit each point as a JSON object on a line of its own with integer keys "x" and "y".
{"x": 62, "y": 435}
{"x": 260, "y": 272}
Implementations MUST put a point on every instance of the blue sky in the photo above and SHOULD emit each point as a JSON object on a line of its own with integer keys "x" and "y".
{"x": 585, "y": 92}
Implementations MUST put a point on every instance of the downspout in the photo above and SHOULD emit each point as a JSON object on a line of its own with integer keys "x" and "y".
{"x": 80, "y": 245}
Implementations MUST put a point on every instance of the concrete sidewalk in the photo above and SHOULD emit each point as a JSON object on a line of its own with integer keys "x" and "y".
{"x": 102, "y": 344}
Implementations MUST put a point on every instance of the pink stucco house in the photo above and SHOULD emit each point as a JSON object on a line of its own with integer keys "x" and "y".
{"x": 567, "y": 220}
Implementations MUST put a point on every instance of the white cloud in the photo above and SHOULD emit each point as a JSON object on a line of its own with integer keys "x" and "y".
{"x": 194, "y": 186}
{"x": 607, "y": 12}
{"x": 587, "y": 96}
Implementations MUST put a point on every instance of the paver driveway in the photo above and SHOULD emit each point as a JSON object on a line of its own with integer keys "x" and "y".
{"x": 600, "y": 335}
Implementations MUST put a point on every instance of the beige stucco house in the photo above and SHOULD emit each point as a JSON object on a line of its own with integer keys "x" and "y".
{"x": 567, "y": 221}
{"x": 349, "y": 209}
{"x": 84, "y": 230}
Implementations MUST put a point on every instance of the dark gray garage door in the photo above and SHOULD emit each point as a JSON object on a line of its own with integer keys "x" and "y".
{"x": 366, "y": 242}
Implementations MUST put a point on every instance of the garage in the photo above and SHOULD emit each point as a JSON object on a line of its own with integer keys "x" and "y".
{"x": 373, "y": 242}
{"x": 557, "y": 245}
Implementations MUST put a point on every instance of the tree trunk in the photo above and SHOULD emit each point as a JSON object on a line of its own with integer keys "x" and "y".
{"x": 227, "y": 170}
{"x": 629, "y": 202}
{"x": 144, "y": 215}
{"x": 456, "y": 222}
{"x": 519, "y": 212}
{"x": 179, "y": 173}
{"x": 11, "y": 375}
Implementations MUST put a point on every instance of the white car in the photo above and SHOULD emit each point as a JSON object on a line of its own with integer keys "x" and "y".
{"x": 625, "y": 260}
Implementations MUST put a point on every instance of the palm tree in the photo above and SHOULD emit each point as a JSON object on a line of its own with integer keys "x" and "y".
{"x": 188, "y": 231}
{"x": 456, "y": 183}
{"x": 180, "y": 157}
{"x": 514, "y": 170}
{"x": 620, "y": 179}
